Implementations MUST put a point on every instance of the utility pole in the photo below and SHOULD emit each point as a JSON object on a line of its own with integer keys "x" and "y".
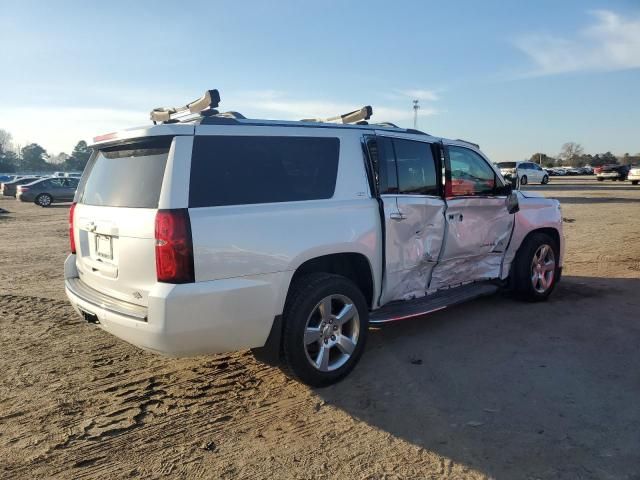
{"x": 416, "y": 107}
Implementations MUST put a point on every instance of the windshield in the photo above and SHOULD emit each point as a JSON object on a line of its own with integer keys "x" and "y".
{"x": 507, "y": 165}
{"x": 126, "y": 176}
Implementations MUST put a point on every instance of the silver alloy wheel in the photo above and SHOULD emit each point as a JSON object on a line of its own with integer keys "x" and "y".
{"x": 44, "y": 200}
{"x": 331, "y": 332}
{"x": 543, "y": 268}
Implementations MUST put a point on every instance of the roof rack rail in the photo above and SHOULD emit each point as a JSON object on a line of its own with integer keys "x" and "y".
{"x": 468, "y": 143}
{"x": 352, "y": 117}
{"x": 207, "y": 103}
{"x": 205, "y": 110}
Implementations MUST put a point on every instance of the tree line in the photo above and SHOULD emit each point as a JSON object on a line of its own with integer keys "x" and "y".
{"x": 34, "y": 158}
{"x": 572, "y": 155}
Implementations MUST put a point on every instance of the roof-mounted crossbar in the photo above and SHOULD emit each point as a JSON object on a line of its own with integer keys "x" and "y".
{"x": 210, "y": 100}
{"x": 352, "y": 117}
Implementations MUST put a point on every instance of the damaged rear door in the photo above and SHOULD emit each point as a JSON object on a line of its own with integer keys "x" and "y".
{"x": 414, "y": 214}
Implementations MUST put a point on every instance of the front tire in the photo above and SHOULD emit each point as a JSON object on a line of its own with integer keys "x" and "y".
{"x": 634, "y": 182}
{"x": 545, "y": 179}
{"x": 325, "y": 328}
{"x": 600, "y": 179}
{"x": 523, "y": 180}
{"x": 44, "y": 200}
{"x": 536, "y": 270}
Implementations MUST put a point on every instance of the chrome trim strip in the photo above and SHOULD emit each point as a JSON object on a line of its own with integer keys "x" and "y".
{"x": 87, "y": 294}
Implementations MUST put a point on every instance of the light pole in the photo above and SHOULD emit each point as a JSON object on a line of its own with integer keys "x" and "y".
{"x": 416, "y": 107}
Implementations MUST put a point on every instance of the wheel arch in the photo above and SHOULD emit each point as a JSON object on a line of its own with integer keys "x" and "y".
{"x": 355, "y": 266}
{"x": 553, "y": 232}
{"x": 35, "y": 200}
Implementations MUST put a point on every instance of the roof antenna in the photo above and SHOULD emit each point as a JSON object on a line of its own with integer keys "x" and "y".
{"x": 416, "y": 107}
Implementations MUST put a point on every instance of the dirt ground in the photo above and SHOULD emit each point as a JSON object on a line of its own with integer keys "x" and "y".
{"x": 491, "y": 389}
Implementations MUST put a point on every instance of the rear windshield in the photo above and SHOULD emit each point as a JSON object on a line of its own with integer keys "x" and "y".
{"x": 126, "y": 176}
{"x": 240, "y": 170}
{"x": 507, "y": 165}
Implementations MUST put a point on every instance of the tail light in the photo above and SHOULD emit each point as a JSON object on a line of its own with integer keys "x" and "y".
{"x": 23, "y": 189}
{"x": 72, "y": 239}
{"x": 174, "y": 247}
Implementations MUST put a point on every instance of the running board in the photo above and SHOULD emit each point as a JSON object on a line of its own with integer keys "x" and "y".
{"x": 402, "y": 310}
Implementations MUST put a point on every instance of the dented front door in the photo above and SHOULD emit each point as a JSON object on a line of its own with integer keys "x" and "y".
{"x": 478, "y": 223}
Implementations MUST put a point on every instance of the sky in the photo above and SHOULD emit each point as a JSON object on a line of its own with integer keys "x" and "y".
{"x": 516, "y": 78}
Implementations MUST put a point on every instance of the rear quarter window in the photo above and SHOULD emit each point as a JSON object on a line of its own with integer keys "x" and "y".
{"x": 241, "y": 170}
{"x": 126, "y": 175}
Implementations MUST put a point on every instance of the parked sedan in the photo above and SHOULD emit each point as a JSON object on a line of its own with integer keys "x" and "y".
{"x": 45, "y": 191}
{"x": 9, "y": 189}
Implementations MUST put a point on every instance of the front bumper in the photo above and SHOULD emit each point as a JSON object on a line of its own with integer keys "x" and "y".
{"x": 190, "y": 319}
{"x": 633, "y": 177}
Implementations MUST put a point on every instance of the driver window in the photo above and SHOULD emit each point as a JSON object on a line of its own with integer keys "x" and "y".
{"x": 470, "y": 173}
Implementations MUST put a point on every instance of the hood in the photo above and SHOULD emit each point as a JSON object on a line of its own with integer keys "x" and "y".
{"x": 529, "y": 194}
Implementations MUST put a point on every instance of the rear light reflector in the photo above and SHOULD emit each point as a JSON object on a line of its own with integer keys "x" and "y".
{"x": 105, "y": 137}
{"x": 72, "y": 240}
{"x": 174, "y": 246}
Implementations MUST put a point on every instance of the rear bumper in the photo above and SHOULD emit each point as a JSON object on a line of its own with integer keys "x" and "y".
{"x": 25, "y": 197}
{"x": 633, "y": 177}
{"x": 190, "y": 319}
{"x": 609, "y": 175}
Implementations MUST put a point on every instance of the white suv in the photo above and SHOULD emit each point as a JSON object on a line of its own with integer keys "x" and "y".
{"x": 221, "y": 233}
{"x": 528, "y": 172}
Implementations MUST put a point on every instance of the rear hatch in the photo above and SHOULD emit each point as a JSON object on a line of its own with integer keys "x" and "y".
{"x": 114, "y": 218}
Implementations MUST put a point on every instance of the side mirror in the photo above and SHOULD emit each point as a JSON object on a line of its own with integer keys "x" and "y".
{"x": 515, "y": 181}
{"x": 512, "y": 203}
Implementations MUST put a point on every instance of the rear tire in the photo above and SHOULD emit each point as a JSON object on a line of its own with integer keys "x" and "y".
{"x": 44, "y": 200}
{"x": 523, "y": 180}
{"x": 325, "y": 328}
{"x": 545, "y": 179}
{"x": 535, "y": 268}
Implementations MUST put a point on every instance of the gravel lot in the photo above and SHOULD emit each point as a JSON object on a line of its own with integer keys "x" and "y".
{"x": 491, "y": 389}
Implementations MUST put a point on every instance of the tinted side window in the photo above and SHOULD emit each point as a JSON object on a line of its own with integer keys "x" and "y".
{"x": 416, "y": 167}
{"x": 238, "y": 170}
{"x": 470, "y": 174}
{"x": 71, "y": 182}
{"x": 388, "y": 180}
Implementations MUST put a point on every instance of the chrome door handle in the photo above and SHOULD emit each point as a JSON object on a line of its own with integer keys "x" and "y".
{"x": 397, "y": 216}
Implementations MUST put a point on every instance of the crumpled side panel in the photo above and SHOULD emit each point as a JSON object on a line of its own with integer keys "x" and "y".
{"x": 413, "y": 247}
{"x": 409, "y": 284}
{"x": 462, "y": 270}
{"x": 478, "y": 232}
